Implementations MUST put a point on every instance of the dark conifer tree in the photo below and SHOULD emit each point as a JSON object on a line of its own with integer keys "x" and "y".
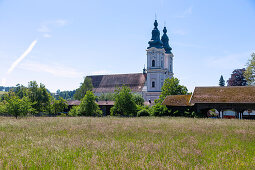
{"x": 221, "y": 81}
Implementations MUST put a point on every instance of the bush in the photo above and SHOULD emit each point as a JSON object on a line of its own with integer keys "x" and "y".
{"x": 88, "y": 106}
{"x": 2, "y": 108}
{"x": 138, "y": 99}
{"x": 160, "y": 110}
{"x": 143, "y": 112}
{"x": 124, "y": 103}
{"x": 74, "y": 111}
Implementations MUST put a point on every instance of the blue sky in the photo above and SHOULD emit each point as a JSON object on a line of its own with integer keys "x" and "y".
{"x": 59, "y": 42}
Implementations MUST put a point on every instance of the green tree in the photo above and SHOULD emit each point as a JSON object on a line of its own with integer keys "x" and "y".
{"x": 106, "y": 97}
{"x": 39, "y": 96}
{"x": 139, "y": 100}
{"x": 20, "y": 91}
{"x": 249, "y": 74}
{"x": 160, "y": 110}
{"x": 2, "y": 108}
{"x": 221, "y": 81}
{"x": 124, "y": 102}
{"x": 59, "y": 105}
{"x": 171, "y": 87}
{"x": 85, "y": 86}
{"x": 18, "y": 107}
{"x": 88, "y": 105}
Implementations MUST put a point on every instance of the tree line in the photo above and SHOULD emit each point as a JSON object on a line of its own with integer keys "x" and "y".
{"x": 31, "y": 100}
{"x": 35, "y": 100}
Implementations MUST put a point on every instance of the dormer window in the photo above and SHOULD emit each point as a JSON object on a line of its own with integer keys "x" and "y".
{"x": 153, "y": 63}
{"x": 153, "y": 84}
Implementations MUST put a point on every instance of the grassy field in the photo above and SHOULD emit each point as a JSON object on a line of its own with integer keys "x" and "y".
{"x": 2, "y": 92}
{"x": 126, "y": 143}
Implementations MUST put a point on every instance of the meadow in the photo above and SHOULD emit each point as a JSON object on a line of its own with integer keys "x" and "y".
{"x": 2, "y": 93}
{"x": 126, "y": 143}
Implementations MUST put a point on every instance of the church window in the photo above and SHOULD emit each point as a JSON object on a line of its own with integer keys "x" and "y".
{"x": 153, "y": 63}
{"x": 153, "y": 84}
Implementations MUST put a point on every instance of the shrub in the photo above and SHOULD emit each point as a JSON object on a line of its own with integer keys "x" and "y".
{"x": 88, "y": 106}
{"x": 2, "y": 108}
{"x": 160, "y": 110}
{"x": 124, "y": 103}
{"x": 74, "y": 111}
{"x": 138, "y": 99}
{"x": 143, "y": 112}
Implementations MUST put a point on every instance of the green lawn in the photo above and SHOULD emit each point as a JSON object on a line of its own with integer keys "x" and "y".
{"x": 126, "y": 143}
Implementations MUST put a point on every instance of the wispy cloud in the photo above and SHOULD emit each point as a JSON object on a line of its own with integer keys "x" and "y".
{"x": 46, "y": 27}
{"x": 61, "y": 22}
{"x": 43, "y": 28}
{"x": 46, "y": 35}
{"x": 229, "y": 62}
{"x": 16, "y": 62}
{"x": 185, "y": 13}
{"x": 3, "y": 81}
{"x": 53, "y": 69}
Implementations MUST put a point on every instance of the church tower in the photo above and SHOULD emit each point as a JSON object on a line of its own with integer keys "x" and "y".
{"x": 159, "y": 60}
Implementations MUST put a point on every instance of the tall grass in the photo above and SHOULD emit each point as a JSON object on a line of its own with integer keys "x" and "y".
{"x": 126, "y": 143}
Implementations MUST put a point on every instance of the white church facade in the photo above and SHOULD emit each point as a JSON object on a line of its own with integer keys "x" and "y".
{"x": 148, "y": 83}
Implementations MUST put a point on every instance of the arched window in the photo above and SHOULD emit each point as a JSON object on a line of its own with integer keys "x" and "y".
{"x": 153, "y": 63}
{"x": 153, "y": 84}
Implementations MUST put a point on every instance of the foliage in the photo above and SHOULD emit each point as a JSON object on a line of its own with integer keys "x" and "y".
{"x": 88, "y": 106}
{"x": 85, "y": 86}
{"x": 124, "y": 102}
{"x": 18, "y": 107}
{"x": 6, "y": 89}
{"x": 143, "y": 112}
{"x": 67, "y": 95}
{"x": 237, "y": 78}
{"x": 249, "y": 74}
{"x": 160, "y": 110}
{"x": 171, "y": 87}
{"x": 138, "y": 99}
{"x": 39, "y": 96}
{"x": 2, "y": 108}
{"x": 74, "y": 111}
{"x": 59, "y": 105}
{"x": 221, "y": 81}
{"x": 106, "y": 97}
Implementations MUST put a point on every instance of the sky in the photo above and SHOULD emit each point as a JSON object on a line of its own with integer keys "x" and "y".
{"x": 59, "y": 42}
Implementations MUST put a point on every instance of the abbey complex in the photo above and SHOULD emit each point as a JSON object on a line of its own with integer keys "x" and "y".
{"x": 148, "y": 83}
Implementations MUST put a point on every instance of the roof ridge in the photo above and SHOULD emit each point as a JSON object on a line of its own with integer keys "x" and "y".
{"x": 114, "y": 74}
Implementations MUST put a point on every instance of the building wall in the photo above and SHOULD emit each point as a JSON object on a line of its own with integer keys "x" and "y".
{"x": 162, "y": 69}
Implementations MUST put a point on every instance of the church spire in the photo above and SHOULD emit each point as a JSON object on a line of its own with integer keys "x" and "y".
{"x": 165, "y": 41}
{"x": 155, "y": 39}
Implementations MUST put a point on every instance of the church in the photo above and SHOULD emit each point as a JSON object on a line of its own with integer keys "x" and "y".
{"x": 149, "y": 82}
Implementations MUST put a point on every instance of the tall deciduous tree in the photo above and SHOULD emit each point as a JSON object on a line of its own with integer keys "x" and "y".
{"x": 59, "y": 105}
{"x": 249, "y": 74}
{"x": 88, "y": 105}
{"x": 85, "y": 86}
{"x": 124, "y": 102}
{"x": 18, "y": 107}
{"x": 221, "y": 81}
{"x": 39, "y": 96}
{"x": 237, "y": 78}
{"x": 172, "y": 87}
